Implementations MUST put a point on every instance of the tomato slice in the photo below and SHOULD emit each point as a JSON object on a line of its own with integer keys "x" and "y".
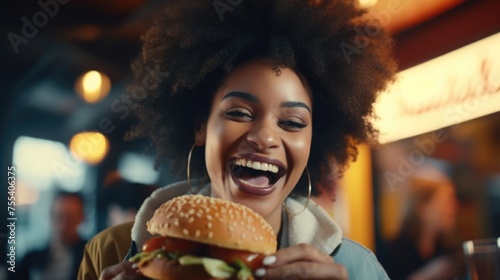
{"x": 252, "y": 260}
{"x": 170, "y": 244}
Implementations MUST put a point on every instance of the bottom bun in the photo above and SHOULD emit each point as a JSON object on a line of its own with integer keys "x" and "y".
{"x": 165, "y": 269}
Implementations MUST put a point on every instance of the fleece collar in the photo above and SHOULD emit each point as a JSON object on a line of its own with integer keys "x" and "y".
{"x": 313, "y": 226}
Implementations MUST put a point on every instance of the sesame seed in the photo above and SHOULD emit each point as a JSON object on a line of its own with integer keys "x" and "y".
{"x": 185, "y": 232}
{"x": 197, "y": 233}
{"x": 210, "y": 234}
{"x": 191, "y": 220}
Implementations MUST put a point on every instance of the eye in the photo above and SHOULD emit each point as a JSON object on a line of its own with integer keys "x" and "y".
{"x": 292, "y": 124}
{"x": 238, "y": 114}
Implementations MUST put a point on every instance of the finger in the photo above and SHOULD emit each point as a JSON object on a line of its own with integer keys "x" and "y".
{"x": 301, "y": 252}
{"x": 123, "y": 270}
{"x": 303, "y": 270}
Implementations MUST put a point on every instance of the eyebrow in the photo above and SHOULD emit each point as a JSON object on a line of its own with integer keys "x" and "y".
{"x": 244, "y": 95}
{"x": 291, "y": 104}
{"x": 255, "y": 99}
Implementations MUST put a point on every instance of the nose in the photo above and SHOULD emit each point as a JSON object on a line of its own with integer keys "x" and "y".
{"x": 263, "y": 138}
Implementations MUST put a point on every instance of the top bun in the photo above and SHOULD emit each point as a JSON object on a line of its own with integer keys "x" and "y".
{"x": 214, "y": 221}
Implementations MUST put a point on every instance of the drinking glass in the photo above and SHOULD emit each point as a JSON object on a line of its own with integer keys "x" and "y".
{"x": 483, "y": 258}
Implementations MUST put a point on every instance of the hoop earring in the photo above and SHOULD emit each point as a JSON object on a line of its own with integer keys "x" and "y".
{"x": 308, "y": 195}
{"x": 188, "y": 169}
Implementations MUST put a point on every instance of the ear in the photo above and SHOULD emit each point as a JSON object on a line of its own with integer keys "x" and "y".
{"x": 200, "y": 134}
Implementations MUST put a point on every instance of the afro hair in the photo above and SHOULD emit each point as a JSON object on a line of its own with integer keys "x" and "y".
{"x": 345, "y": 56}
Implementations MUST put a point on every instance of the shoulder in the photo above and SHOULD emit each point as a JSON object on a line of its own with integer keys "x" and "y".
{"x": 105, "y": 249}
{"x": 116, "y": 235}
{"x": 360, "y": 262}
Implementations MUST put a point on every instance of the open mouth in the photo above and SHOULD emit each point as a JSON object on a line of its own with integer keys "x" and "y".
{"x": 256, "y": 177}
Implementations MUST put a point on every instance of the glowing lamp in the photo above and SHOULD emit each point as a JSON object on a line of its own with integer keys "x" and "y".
{"x": 90, "y": 147}
{"x": 367, "y": 3}
{"x": 93, "y": 86}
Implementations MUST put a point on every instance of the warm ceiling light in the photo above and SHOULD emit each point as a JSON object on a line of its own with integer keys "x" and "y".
{"x": 93, "y": 86}
{"x": 367, "y": 3}
{"x": 91, "y": 147}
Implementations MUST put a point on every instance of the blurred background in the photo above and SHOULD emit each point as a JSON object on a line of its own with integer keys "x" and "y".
{"x": 65, "y": 65}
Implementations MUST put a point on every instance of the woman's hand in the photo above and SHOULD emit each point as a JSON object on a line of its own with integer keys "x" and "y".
{"x": 301, "y": 261}
{"x": 121, "y": 271}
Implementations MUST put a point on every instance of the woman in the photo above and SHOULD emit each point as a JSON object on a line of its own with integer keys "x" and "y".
{"x": 425, "y": 246}
{"x": 284, "y": 85}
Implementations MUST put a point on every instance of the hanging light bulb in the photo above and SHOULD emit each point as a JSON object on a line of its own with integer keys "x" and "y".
{"x": 91, "y": 147}
{"x": 93, "y": 86}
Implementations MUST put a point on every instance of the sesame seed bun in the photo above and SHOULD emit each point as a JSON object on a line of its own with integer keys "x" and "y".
{"x": 214, "y": 221}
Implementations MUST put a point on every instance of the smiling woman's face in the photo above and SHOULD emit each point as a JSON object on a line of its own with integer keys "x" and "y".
{"x": 258, "y": 137}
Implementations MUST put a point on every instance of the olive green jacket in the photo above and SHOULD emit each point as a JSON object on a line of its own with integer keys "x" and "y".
{"x": 107, "y": 248}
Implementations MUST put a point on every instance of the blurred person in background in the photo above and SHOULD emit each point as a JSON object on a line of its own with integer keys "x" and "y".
{"x": 121, "y": 200}
{"x": 61, "y": 258}
{"x": 425, "y": 247}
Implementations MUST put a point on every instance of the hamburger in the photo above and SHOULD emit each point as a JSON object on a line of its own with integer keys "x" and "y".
{"x": 199, "y": 237}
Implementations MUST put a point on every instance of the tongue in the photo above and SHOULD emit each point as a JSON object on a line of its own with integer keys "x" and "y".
{"x": 257, "y": 180}
{"x": 254, "y": 177}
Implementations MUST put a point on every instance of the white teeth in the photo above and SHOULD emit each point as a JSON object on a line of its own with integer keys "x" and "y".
{"x": 256, "y": 165}
{"x": 264, "y": 166}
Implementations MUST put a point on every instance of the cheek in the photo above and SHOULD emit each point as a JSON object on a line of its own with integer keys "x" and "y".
{"x": 221, "y": 137}
{"x": 300, "y": 147}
